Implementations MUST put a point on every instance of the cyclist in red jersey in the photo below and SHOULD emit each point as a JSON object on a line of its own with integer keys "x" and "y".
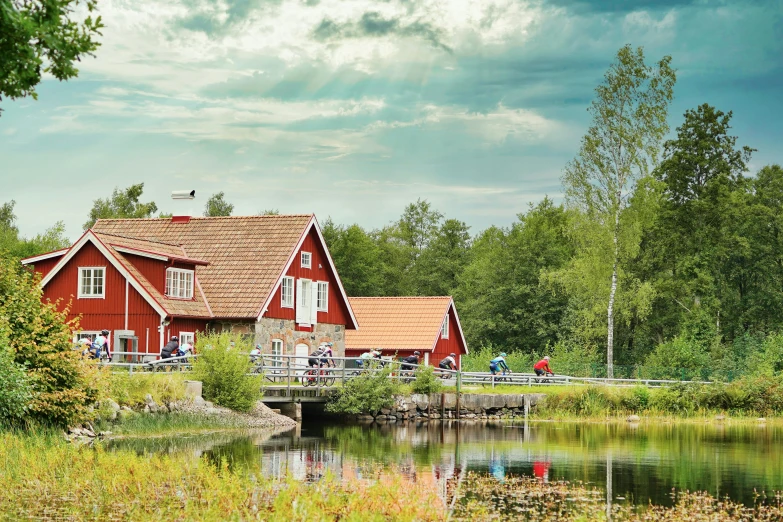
{"x": 542, "y": 367}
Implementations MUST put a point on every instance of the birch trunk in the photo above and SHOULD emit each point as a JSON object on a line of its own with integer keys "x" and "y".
{"x": 610, "y": 308}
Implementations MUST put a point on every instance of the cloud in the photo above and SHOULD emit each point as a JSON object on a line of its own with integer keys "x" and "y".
{"x": 621, "y": 6}
{"x": 374, "y": 25}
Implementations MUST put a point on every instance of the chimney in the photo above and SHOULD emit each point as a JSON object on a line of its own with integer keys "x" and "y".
{"x": 180, "y": 219}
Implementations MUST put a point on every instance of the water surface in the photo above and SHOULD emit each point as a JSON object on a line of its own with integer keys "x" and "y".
{"x": 634, "y": 463}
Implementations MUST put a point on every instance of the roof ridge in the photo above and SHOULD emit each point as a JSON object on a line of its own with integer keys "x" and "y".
{"x": 139, "y": 239}
{"x": 405, "y": 297}
{"x": 265, "y": 216}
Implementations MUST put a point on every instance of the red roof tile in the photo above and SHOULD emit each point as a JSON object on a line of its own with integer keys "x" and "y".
{"x": 396, "y": 323}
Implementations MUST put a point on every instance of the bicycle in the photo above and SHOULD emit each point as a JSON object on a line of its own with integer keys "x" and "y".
{"x": 504, "y": 377}
{"x": 315, "y": 375}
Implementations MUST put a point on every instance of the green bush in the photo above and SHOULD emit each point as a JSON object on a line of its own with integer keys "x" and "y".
{"x": 39, "y": 338}
{"x": 636, "y": 400}
{"x": 16, "y": 392}
{"x": 367, "y": 393}
{"x": 679, "y": 359}
{"x": 223, "y": 367}
{"x": 426, "y": 381}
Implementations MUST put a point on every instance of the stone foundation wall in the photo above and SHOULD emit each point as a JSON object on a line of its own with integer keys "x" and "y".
{"x": 437, "y": 406}
{"x": 267, "y": 329}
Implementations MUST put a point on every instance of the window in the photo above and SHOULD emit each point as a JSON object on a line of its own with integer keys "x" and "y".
{"x": 179, "y": 283}
{"x": 277, "y": 351}
{"x": 287, "y": 292}
{"x": 91, "y": 334}
{"x": 91, "y": 282}
{"x": 322, "y": 302}
{"x": 444, "y": 328}
{"x": 307, "y": 260}
{"x": 186, "y": 337}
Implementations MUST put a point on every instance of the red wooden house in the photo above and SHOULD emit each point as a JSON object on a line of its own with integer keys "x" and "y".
{"x": 398, "y": 326}
{"x": 270, "y": 278}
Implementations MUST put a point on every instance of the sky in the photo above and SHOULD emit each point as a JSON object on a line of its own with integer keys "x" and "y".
{"x": 351, "y": 109}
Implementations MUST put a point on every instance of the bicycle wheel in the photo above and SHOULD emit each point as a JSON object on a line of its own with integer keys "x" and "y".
{"x": 328, "y": 378}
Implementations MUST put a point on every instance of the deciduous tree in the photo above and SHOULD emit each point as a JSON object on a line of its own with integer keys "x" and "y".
{"x": 218, "y": 206}
{"x": 40, "y": 37}
{"x": 620, "y": 147}
{"x": 121, "y": 204}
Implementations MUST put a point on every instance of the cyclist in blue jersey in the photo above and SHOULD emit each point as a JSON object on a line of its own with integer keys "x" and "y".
{"x": 498, "y": 363}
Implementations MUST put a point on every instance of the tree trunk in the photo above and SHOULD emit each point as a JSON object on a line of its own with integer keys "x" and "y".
{"x": 610, "y": 308}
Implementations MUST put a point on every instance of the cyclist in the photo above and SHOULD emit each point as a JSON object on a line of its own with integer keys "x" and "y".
{"x": 328, "y": 354}
{"x": 449, "y": 363}
{"x": 171, "y": 347}
{"x": 542, "y": 367}
{"x": 255, "y": 353}
{"x": 408, "y": 362}
{"x": 498, "y": 363}
{"x": 368, "y": 356}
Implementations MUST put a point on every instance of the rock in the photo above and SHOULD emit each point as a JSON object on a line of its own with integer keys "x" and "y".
{"x": 450, "y": 400}
{"x": 125, "y": 408}
{"x": 633, "y": 418}
{"x": 199, "y": 401}
{"x": 514, "y": 401}
{"x": 761, "y": 419}
{"x": 470, "y": 401}
{"x": 385, "y": 411}
{"x": 498, "y": 401}
{"x": 147, "y": 409}
{"x": 208, "y": 404}
{"x": 401, "y": 404}
{"x": 421, "y": 400}
{"x": 720, "y": 417}
{"x": 365, "y": 418}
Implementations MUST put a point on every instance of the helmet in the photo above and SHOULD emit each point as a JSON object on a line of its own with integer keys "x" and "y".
{"x": 330, "y": 344}
{"x": 174, "y": 338}
{"x": 417, "y": 352}
{"x": 258, "y": 346}
{"x": 503, "y": 354}
{"x": 452, "y": 355}
{"x": 546, "y": 358}
{"x": 104, "y": 332}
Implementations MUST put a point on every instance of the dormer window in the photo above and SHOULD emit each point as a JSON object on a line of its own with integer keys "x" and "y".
{"x": 307, "y": 260}
{"x": 179, "y": 283}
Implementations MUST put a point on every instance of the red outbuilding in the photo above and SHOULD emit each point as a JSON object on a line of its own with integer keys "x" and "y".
{"x": 270, "y": 278}
{"x": 398, "y": 326}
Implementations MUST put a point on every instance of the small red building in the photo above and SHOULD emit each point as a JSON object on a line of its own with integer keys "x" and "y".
{"x": 398, "y": 326}
{"x": 270, "y": 278}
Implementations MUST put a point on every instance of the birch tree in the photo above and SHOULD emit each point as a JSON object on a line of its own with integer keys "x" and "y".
{"x": 620, "y": 148}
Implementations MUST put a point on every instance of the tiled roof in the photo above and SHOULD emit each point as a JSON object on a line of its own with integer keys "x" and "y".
{"x": 396, "y": 323}
{"x": 246, "y": 254}
{"x": 155, "y": 247}
{"x": 180, "y": 307}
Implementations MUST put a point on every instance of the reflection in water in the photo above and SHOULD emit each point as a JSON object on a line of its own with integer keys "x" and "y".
{"x": 640, "y": 464}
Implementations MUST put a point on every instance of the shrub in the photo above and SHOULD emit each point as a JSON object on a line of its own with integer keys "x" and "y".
{"x": 223, "y": 367}
{"x": 426, "y": 381}
{"x": 367, "y": 393}
{"x": 15, "y": 390}
{"x": 679, "y": 358}
{"x": 636, "y": 399}
{"x": 39, "y": 338}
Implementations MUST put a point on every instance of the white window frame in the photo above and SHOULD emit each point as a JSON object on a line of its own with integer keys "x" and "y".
{"x": 444, "y": 328}
{"x": 81, "y": 334}
{"x": 81, "y": 294}
{"x": 276, "y": 354}
{"x": 189, "y": 337}
{"x": 287, "y": 303}
{"x": 306, "y": 259}
{"x": 175, "y": 291}
{"x": 322, "y": 304}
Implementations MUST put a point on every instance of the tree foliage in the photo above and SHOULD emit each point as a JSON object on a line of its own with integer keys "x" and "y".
{"x": 16, "y": 246}
{"x": 39, "y": 338}
{"x": 367, "y": 393}
{"x": 620, "y": 148}
{"x": 121, "y": 204}
{"x": 217, "y": 206}
{"x": 40, "y": 37}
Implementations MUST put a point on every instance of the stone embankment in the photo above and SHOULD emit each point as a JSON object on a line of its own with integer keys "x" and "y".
{"x": 472, "y": 406}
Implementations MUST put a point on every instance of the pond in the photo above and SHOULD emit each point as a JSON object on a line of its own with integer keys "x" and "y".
{"x": 630, "y": 463}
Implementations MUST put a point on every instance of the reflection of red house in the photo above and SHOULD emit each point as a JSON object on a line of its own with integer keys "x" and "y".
{"x": 270, "y": 278}
{"x": 402, "y": 325}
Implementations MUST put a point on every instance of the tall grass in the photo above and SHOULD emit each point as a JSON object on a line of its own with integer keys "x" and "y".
{"x": 131, "y": 389}
{"x": 42, "y": 477}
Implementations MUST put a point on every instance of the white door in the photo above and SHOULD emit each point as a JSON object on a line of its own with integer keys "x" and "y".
{"x": 304, "y": 301}
{"x": 302, "y": 351}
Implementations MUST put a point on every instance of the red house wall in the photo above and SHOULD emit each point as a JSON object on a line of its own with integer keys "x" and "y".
{"x": 451, "y": 345}
{"x": 43, "y": 267}
{"x": 109, "y": 312}
{"x": 338, "y": 312}
{"x": 179, "y": 325}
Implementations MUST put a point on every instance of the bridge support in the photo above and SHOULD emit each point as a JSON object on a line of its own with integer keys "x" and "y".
{"x": 292, "y": 410}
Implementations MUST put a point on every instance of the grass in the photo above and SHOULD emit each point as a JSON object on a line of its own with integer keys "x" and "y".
{"x": 131, "y": 389}
{"x": 150, "y": 425}
{"x": 44, "y": 478}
